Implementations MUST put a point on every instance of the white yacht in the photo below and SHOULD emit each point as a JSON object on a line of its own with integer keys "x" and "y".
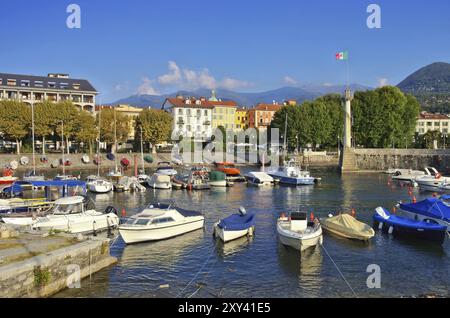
{"x": 432, "y": 180}
{"x": 160, "y": 181}
{"x": 166, "y": 168}
{"x": 158, "y": 222}
{"x": 296, "y": 232}
{"x": 408, "y": 175}
{"x": 75, "y": 214}
{"x": 98, "y": 185}
{"x": 259, "y": 179}
{"x": 291, "y": 174}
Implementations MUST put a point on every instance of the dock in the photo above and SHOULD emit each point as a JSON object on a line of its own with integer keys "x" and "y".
{"x": 36, "y": 264}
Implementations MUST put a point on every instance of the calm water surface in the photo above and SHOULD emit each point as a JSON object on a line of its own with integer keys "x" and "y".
{"x": 198, "y": 266}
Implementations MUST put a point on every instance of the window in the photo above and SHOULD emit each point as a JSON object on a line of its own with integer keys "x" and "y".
{"x": 180, "y": 112}
{"x": 429, "y": 124}
{"x": 142, "y": 221}
{"x": 206, "y": 112}
{"x": 25, "y": 83}
{"x": 76, "y": 86}
{"x": 445, "y": 124}
{"x": 38, "y": 83}
{"x": 63, "y": 85}
{"x": 51, "y": 84}
{"x": 11, "y": 82}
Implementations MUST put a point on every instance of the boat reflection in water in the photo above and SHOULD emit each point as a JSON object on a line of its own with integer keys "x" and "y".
{"x": 233, "y": 247}
{"x": 306, "y": 266}
{"x": 165, "y": 254}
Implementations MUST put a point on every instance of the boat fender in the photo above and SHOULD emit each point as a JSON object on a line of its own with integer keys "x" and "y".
{"x": 311, "y": 217}
{"x": 414, "y": 199}
{"x": 380, "y": 226}
{"x": 438, "y": 176}
{"x": 353, "y": 213}
{"x": 391, "y": 230}
{"x": 242, "y": 211}
{"x": 94, "y": 227}
{"x": 330, "y": 215}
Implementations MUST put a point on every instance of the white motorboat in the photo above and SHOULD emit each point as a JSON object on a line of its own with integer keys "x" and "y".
{"x": 292, "y": 174}
{"x": 166, "y": 168}
{"x": 143, "y": 178}
{"x": 158, "y": 222}
{"x": 259, "y": 179}
{"x": 160, "y": 181}
{"x": 432, "y": 180}
{"x": 75, "y": 214}
{"x": 407, "y": 175}
{"x": 98, "y": 185}
{"x": 235, "y": 226}
{"x": 296, "y": 232}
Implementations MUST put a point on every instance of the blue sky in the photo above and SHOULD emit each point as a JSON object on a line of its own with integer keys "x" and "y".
{"x": 156, "y": 46}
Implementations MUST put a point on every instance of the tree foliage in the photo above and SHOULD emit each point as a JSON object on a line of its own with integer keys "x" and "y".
{"x": 108, "y": 118}
{"x": 156, "y": 126}
{"x": 381, "y": 118}
{"x": 15, "y": 120}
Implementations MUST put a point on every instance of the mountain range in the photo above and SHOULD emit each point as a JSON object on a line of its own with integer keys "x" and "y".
{"x": 430, "y": 84}
{"x": 307, "y": 92}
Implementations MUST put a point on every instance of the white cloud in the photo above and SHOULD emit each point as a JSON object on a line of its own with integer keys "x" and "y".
{"x": 173, "y": 77}
{"x": 383, "y": 82}
{"x": 232, "y": 83}
{"x": 184, "y": 78}
{"x": 328, "y": 84}
{"x": 146, "y": 88}
{"x": 289, "y": 80}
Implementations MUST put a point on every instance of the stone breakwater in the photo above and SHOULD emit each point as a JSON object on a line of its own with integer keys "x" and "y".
{"x": 40, "y": 265}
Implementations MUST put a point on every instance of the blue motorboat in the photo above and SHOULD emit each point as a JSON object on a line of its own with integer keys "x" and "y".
{"x": 431, "y": 208}
{"x": 235, "y": 226}
{"x": 426, "y": 229}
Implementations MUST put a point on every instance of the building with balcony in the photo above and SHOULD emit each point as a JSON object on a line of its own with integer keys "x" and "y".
{"x": 53, "y": 87}
{"x": 432, "y": 122}
{"x": 223, "y": 114}
{"x": 241, "y": 119}
{"x": 262, "y": 115}
{"x": 192, "y": 118}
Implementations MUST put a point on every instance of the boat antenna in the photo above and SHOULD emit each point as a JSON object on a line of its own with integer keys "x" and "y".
{"x": 142, "y": 153}
{"x": 62, "y": 147}
{"x": 285, "y": 136}
{"x": 99, "y": 142}
{"x": 115, "y": 140}
{"x": 32, "y": 137}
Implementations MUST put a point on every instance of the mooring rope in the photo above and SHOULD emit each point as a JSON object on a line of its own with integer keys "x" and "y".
{"x": 342, "y": 275}
{"x": 196, "y": 275}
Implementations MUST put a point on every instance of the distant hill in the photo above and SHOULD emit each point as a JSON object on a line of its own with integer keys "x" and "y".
{"x": 300, "y": 94}
{"x": 431, "y": 86}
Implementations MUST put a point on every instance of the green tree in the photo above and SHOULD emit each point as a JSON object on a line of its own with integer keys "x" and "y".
{"x": 44, "y": 120}
{"x": 86, "y": 130}
{"x": 156, "y": 126}
{"x": 15, "y": 121}
{"x": 109, "y": 119}
{"x": 67, "y": 113}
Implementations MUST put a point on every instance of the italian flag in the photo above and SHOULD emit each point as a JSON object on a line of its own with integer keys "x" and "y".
{"x": 342, "y": 56}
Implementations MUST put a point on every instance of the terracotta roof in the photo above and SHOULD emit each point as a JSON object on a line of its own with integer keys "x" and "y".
{"x": 178, "y": 102}
{"x": 433, "y": 116}
{"x": 268, "y": 107}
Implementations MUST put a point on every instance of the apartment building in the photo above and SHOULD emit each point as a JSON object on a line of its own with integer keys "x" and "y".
{"x": 431, "y": 122}
{"x": 223, "y": 113}
{"x": 262, "y": 115}
{"x": 192, "y": 117}
{"x": 241, "y": 119}
{"x": 53, "y": 87}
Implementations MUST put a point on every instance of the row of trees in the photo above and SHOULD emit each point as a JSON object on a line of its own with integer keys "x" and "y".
{"x": 80, "y": 126}
{"x": 382, "y": 118}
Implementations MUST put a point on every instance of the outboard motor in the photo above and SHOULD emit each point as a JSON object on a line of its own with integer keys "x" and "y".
{"x": 242, "y": 211}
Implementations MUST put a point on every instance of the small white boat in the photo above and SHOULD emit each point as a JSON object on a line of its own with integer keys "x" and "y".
{"x": 166, "y": 168}
{"x": 160, "y": 181}
{"x": 99, "y": 185}
{"x": 143, "y": 178}
{"x": 85, "y": 159}
{"x": 432, "y": 180}
{"x": 407, "y": 175}
{"x": 217, "y": 179}
{"x": 296, "y": 232}
{"x": 292, "y": 174}
{"x": 159, "y": 222}
{"x": 235, "y": 226}
{"x": 259, "y": 179}
{"x": 73, "y": 215}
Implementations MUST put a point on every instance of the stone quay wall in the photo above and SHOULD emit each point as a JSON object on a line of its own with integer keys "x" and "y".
{"x": 47, "y": 274}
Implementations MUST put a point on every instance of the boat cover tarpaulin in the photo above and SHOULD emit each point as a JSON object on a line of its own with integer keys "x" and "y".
{"x": 237, "y": 222}
{"x": 348, "y": 226}
{"x": 408, "y": 223}
{"x": 432, "y": 207}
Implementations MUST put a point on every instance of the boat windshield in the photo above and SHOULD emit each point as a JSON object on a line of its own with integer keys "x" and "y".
{"x": 162, "y": 206}
{"x": 68, "y": 208}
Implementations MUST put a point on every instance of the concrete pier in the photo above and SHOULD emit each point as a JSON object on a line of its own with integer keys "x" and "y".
{"x": 40, "y": 265}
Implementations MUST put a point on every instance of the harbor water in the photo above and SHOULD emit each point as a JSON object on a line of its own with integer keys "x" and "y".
{"x": 195, "y": 265}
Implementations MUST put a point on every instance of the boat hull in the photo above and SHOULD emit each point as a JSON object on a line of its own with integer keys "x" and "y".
{"x": 293, "y": 181}
{"x": 227, "y": 236}
{"x": 221, "y": 183}
{"x": 138, "y": 235}
{"x": 300, "y": 243}
{"x": 78, "y": 223}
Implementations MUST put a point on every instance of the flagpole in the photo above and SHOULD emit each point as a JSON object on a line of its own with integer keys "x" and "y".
{"x": 348, "y": 72}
